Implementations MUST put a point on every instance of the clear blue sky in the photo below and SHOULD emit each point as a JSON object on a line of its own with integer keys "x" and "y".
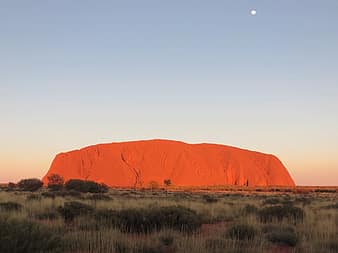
{"x": 75, "y": 73}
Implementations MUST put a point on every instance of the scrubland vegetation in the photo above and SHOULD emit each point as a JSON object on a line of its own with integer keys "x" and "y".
{"x": 87, "y": 217}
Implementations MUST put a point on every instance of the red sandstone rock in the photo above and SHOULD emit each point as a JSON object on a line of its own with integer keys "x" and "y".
{"x": 137, "y": 163}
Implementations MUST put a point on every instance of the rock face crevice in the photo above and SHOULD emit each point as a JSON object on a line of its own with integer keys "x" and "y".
{"x": 138, "y": 182}
{"x": 137, "y": 163}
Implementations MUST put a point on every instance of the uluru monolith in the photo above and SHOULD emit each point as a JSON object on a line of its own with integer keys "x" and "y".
{"x": 138, "y": 163}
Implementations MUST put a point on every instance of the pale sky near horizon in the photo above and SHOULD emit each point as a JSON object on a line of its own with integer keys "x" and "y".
{"x": 77, "y": 73}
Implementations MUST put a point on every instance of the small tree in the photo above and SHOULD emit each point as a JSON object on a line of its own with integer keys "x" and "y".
{"x": 32, "y": 184}
{"x": 167, "y": 182}
{"x": 55, "y": 182}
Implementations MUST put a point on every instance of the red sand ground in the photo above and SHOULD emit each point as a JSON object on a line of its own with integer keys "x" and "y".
{"x": 138, "y": 163}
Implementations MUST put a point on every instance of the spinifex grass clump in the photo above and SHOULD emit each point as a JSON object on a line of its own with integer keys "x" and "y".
{"x": 10, "y": 206}
{"x": 21, "y": 236}
{"x": 98, "y": 196}
{"x": 140, "y": 220}
{"x": 280, "y": 212}
{"x": 281, "y": 234}
{"x": 241, "y": 232}
{"x": 272, "y": 201}
{"x": 33, "y": 197}
{"x": 47, "y": 215}
{"x": 73, "y": 209}
{"x": 334, "y": 206}
{"x": 215, "y": 245}
{"x": 249, "y": 209}
{"x": 210, "y": 199}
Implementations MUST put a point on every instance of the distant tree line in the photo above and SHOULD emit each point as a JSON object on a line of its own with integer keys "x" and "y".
{"x": 57, "y": 183}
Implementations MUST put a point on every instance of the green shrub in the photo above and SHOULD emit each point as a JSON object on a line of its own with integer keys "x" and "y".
{"x": 31, "y": 185}
{"x": 85, "y": 186}
{"x": 73, "y": 209}
{"x": 280, "y": 212}
{"x": 24, "y": 236}
{"x": 10, "y": 206}
{"x": 241, "y": 232}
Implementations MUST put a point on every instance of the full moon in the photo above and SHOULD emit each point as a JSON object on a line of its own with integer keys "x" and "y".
{"x": 253, "y": 12}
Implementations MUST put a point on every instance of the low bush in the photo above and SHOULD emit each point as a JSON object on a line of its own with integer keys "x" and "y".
{"x": 273, "y": 227}
{"x": 24, "y": 236}
{"x": 71, "y": 193}
{"x": 51, "y": 195}
{"x": 147, "y": 249}
{"x": 73, "y": 209}
{"x": 47, "y": 215}
{"x": 303, "y": 200}
{"x": 31, "y": 185}
{"x": 10, "y": 206}
{"x": 331, "y": 244}
{"x": 121, "y": 247}
{"x": 85, "y": 186}
{"x": 249, "y": 209}
{"x": 33, "y": 197}
{"x": 241, "y": 232}
{"x": 215, "y": 245}
{"x": 166, "y": 240}
{"x": 333, "y": 206}
{"x": 107, "y": 217}
{"x": 283, "y": 237}
{"x": 99, "y": 196}
{"x": 54, "y": 194}
{"x": 272, "y": 201}
{"x": 280, "y": 212}
{"x": 210, "y": 199}
{"x": 148, "y": 220}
